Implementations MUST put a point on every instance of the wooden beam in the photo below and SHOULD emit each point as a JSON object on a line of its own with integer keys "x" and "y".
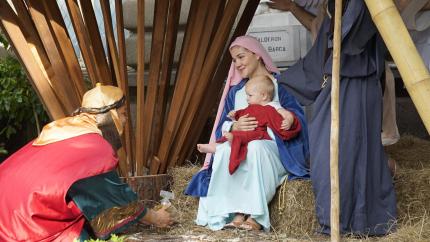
{"x": 166, "y": 69}
{"x": 96, "y": 41}
{"x": 29, "y": 31}
{"x": 211, "y": 99}
{"x": 209, "y": 66}
{"x": 84, "y": 41}
{"x": 205, "y": 42}
{"x": 62, "y": 84}
{"x": 112, "y": 47}
{"x": 186, "y": 65}
{"x": 65, "y": 47}
{"x": 10, "y": 26}
{"x": 157, "y": 45}
{"x": 140, "y": 82}
{"x": 128, "y": 132}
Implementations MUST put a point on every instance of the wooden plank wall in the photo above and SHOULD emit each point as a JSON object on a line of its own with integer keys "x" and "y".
{"x": 167, "y": 127}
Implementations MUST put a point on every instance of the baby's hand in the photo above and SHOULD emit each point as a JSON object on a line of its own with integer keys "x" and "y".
{"x": 231, "y": 115}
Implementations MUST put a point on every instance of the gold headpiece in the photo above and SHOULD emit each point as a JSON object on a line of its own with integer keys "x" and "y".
{"x": 99, "y": 100}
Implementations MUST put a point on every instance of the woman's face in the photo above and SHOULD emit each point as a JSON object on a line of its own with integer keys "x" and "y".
{"x": 245, "y": 61}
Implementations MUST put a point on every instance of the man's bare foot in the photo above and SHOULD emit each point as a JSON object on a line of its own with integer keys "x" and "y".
{"x": 392, "y": 165}
{"x": 229, "y": 136}
{"x": 206, "y": 148}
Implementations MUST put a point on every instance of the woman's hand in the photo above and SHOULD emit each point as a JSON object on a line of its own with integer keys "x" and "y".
{"x": 284, "y": 5}
{"x": 288, "y": 118}
{"x": 159, "y": 218}
{"x": 245, "y": 123}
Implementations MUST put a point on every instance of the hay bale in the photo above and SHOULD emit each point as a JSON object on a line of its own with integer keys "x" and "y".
{"x": 413, "y": 195}
{"x": 186, "y": 206}
{"x": 292, "y": 210}
{"x": 410, "y": 152}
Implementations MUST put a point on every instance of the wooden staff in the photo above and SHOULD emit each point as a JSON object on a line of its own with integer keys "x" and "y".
{"x": 401, "y": 47}
{"x": 334, "y": 137}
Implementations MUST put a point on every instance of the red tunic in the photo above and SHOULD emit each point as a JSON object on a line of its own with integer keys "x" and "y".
{"x": 34, "y": 182}
{"x": 267, "y": 116}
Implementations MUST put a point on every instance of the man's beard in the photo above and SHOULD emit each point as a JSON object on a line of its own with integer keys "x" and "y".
{"x": 106, "y": 124}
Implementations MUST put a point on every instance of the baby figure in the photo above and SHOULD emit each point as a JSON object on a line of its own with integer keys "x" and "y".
{"x": 259, "y": 91}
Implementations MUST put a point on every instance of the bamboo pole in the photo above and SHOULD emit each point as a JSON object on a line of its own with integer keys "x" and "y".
{"x": 401, "y": 47}
{"x": 334, "y": 136}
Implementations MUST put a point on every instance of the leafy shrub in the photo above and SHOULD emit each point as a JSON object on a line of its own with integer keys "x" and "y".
{"x": 19, "y": 104}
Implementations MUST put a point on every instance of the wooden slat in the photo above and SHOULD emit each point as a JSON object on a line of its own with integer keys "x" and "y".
{"x": 29, "y": 31}
{"x": 212, "y": 59}
{"x": 112, "y": 48}
{"x": 96, "y": 41}
{"x": 211, "y": 99}
{"x": 114, "y": 60}
{"x": 10, "y": 26}
{"x": 158, "y": 36}
{"x": 62, "y": 83}
{"x": 128, "y": 131}
{"x": 84, "y": 41}
{"x": 65, "y": 47}
{"x": 216, "y": 7}
{"x": 166, "y": 69}
{"x": 140, "y": 82}
{"x": 203, "y": 46}
{"x": 187, "y": 62}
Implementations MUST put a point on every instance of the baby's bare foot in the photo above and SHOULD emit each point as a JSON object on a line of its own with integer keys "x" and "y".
{"x": 206, "y": 148}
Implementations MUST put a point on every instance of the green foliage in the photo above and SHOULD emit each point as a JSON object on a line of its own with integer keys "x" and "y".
{"x": 113, "y": 238}
{"x": 3, "y": 151}
{"x": 3, "y": 41}
{"x": 19, "y": 104}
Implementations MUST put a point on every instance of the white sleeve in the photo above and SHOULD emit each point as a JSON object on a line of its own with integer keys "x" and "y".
{"x": 226, "y": 126}
{"x": 275, "y": 104}
{"x": 275, "y": 90}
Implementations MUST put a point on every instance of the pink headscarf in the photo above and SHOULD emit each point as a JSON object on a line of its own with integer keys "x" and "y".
{"x": 233, "y": 78}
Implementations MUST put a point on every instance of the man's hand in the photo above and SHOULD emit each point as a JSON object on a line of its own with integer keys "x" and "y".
{"x": 159, "y": 218}
{"x": 284, "y": 5}
{"x": 245, "y": 123}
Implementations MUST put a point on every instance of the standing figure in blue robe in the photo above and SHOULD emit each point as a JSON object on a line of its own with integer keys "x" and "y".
{"x": 367, "y": 196}
{"x": 241, "y": 199}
